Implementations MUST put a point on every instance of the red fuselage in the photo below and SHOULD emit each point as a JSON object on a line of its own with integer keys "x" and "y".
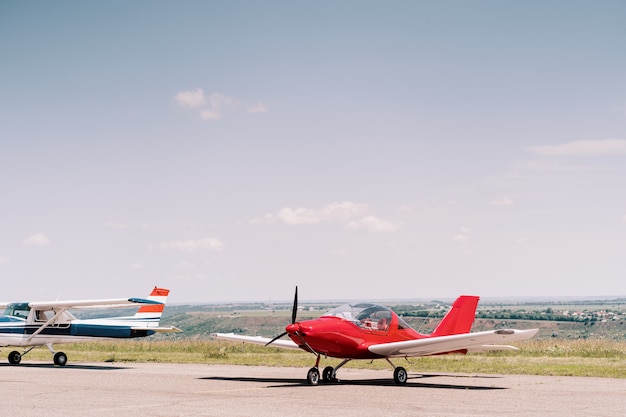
{"x": 341, "y": 338}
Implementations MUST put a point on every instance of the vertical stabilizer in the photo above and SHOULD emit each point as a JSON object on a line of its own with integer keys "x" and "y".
{"x": 460, "y": 317}
{"x": 154, "y": 311}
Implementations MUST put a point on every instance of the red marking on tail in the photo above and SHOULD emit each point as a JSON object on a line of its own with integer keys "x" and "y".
{"x": 157, "y": 294}
{"x": 151, "y": 308}
{"x": 460, "y": 317}
{"x": 162, "y": 292}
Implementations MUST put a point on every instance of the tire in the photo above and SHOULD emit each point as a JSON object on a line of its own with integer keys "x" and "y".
{"x": 313, "y": 376}
{"x": 400, "y": 375}
{"x": 15, "y": 357}
{"x": 327, "y": 374}
{"x": 60, "y": 359}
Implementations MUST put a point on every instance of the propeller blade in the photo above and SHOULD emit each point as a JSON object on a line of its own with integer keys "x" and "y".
{"x": 275, "y": 338}
{"x": 294, "y": 311}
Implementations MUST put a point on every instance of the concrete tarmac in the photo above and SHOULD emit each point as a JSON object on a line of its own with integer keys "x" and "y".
{"x": 164, "y": 390}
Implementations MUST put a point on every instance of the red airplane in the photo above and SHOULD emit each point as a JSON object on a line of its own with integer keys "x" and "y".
{"x": 372, "y": 331}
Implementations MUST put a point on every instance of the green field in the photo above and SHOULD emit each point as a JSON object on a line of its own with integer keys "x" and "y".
{"x": 590, "y": 347}
{"x": 589, "y": 358}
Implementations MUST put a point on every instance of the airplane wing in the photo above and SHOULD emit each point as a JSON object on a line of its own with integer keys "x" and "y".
{"x": 287, "y": 344}
{"x": 90, "y": 304}
{"x": 472, "y": 342}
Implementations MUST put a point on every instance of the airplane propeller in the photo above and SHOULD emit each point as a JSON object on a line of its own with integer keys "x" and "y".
{"x": 294, "y": 314}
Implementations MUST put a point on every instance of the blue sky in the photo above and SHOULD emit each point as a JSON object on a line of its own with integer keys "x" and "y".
{"x": 358, "y": 149}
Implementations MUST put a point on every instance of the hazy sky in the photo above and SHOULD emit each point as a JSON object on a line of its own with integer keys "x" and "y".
{"x": 359, "y": 149}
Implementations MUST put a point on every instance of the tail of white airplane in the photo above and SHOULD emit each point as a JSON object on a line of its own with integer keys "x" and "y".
{"x": 149, "y": 315}
{"x": 154, "y": 311}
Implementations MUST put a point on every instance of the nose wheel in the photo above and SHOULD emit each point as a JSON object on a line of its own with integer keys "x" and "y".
{"x": 313, "y": 376}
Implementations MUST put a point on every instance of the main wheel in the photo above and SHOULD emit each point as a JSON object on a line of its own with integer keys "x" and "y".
{"x": 400, "y": 375}
{"x": 60, "y": 359}
{"x": 313, "y": 376}
{"x": 15, "y": 357}
{"x": 327, "y": 374}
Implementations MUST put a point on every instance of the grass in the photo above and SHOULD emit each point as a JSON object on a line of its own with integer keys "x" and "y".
{"x": 587, "y": 358}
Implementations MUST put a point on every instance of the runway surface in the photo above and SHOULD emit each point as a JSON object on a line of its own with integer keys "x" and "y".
{"x": 160, "y": 390}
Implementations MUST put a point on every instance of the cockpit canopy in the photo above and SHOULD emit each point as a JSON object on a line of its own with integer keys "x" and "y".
{"x": 367, "y": 315}
{"x": 23, "y": 311}
{"x": 20, "y": 310}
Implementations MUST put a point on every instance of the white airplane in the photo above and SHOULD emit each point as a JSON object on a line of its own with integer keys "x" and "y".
{"x": 51, "y": 322}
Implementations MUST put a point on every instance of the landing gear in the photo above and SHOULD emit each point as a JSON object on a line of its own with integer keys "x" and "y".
{"x": 15, "y": 357}
{"x": 400, "y": 375}
{"x": 328, "y": 374}
{"x": 313, "y": 376}
{"x": 60, "y": 359}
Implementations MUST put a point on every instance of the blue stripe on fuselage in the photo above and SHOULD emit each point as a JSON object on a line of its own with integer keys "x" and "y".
{"x": 83, "y": 330}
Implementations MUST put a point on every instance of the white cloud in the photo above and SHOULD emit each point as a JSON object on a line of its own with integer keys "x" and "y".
{"x": 190, "y": 99}
{"x": 334, "y": 211}
{"x": 354, "y": 213}
{"x": 582, "y": 148}
{"x": 258, "y": 107}
{"x": 372, "y": 224}
{"x": 215, "y": 105}
{"x": 137, "y": 266}
{"x": 299, "y": 215}
{"x": 211, "y": 115}
{"x": 38, "y": 239}
{"x": 193, "y": 244}
{"x": 501, "y": 202}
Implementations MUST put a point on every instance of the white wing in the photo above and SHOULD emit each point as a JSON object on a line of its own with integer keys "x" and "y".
{"x": 473, "y": 342}
{"x": 90, "y": 304}
{"x": 288, "y": 344}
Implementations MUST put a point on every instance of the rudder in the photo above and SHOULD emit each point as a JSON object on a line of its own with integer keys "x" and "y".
{"x": 154, "y": 310}
{"x": 460, "y": 317}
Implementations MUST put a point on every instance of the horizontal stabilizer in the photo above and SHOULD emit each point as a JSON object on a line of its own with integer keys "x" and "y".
{"x": 436, "y": 345}
{"x": 161, "y": 329}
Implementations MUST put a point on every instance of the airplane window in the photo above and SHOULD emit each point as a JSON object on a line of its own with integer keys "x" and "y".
{"x": 17, "y": 310}
{"x": 42, "y": 316}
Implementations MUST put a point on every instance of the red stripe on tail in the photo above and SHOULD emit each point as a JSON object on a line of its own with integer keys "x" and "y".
{"x": 151, "y": 308}
{"x": 161, "y": 292}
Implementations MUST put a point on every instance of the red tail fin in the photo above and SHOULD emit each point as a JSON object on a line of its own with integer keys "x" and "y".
{"x": 154, "y": 310}
{"x": 460, "y": 317}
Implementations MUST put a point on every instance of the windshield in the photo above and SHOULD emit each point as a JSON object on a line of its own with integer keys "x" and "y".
{"x": 367, "y": 316}
{"x": 20, "y": 310}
